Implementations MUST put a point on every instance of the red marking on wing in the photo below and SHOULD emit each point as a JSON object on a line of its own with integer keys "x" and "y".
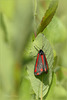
{"x": 41, "y": 69}
{"x": 46, "y": 62}
{"x": 35, "y": 70}
{"x": 42, "y": 59}
{"x": 36, "y": 63}
{"x": 45, "y": 69}
{"x": 37, "y": 73}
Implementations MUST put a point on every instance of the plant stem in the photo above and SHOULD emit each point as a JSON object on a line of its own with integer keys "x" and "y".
{"x": 35, "y": 34}
{"x": 41, "y": 87}
{"x": 35, "y": 3}
{"x": 35, "y": 14}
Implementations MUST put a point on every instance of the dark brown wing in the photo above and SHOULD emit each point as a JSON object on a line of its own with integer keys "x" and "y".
{"x": 45, "y": 64}
{"x": 38, "y": 66}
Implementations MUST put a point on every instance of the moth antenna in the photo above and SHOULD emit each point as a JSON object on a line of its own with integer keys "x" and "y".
{"x": 36, "y": 48}
{"x": 42, "y": 47}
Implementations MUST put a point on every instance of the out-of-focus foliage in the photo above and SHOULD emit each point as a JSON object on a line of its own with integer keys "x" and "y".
{"x": 16, "y": 18}
{"x": 19, "y": 21}
{"x": 55, "y": 31}
{"x": 50, "y": 93}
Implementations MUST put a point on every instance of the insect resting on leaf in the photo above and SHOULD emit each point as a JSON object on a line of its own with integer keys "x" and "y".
{"x": 41, "y": 64}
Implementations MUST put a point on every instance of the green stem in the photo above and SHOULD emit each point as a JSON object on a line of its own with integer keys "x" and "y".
{"x": 42, "y": 88}
{"x": 2, "y": 24}
{"x": 35, "y": 14}
{"x": 35, "y": 4}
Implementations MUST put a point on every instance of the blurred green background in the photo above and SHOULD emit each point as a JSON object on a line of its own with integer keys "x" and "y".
{"x": 17, "y": 26}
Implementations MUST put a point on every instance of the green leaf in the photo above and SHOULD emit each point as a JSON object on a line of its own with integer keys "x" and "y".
{"x": 60, "y": 75}
{"x": 54, "y": 93}
{"x": 6, "y": 66}
{"x": 41, "y": 84}
{"x": 50, "y": 93}
{"x": 3, "y": 26}
{"x": 7, "y": 7}
{"x": 64, "y": 81}
{"x": 59, "y": 93}
{"x": 19, "y": 30}
{"x": 55, "y": 32}
{"x": 48, "y": 16}
{"x": 25, "y": 90}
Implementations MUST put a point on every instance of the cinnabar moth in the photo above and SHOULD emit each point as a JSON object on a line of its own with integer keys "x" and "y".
{"x": 41, "y": 64}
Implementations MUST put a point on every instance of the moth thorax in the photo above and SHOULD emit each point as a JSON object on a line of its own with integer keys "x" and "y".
{"x": 41, "y": 52}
